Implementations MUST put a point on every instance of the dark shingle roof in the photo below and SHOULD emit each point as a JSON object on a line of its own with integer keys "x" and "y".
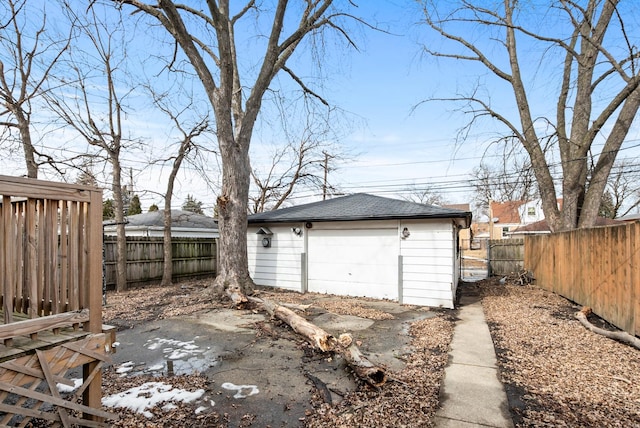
{"x": 359, "y": 206}
{"x": 179, "y": 218}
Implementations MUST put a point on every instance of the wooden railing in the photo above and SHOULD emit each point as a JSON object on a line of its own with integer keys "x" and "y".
{"x": 50, "y": 256}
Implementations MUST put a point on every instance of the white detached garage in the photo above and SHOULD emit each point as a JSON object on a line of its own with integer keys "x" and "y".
{"x": 360, "y": 245}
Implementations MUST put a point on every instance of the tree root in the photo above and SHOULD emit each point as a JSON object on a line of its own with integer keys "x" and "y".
{"x": 616, "y": 335}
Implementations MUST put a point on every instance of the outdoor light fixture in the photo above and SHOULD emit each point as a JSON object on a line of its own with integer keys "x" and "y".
{"x": 405, "y": 233}
{"x": 297, "y": 231}
{"x": 266, "y": 239}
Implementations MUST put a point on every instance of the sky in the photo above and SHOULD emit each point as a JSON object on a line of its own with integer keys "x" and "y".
{"x": 391, "y": 138}
{"x": 396, "y": 141}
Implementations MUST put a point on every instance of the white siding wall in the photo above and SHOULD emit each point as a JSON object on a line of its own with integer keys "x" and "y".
{"x": 279, "y": 265}
{"x": 429, "y": 263}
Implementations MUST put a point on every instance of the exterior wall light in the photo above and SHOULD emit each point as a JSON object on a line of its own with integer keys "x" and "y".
{"x": 405, "y": 233}
{"x": 297, "y": 231}
{"x": 266, "y": 236}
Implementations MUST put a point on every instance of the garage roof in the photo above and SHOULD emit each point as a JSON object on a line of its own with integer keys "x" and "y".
{"x": 359, "y": 206}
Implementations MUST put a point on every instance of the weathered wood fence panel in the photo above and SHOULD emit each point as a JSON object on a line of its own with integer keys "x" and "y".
{"x": 598, "y": 268}
{"x": 506, "y": 256}
{"x": 51, "y": 300}
{"x": 192, "y": 257}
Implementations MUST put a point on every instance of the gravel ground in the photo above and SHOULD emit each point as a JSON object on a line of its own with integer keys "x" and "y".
{"x": 555, "y": 371}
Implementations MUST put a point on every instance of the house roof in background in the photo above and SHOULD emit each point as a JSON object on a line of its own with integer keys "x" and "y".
{"x": 461, "y": 207}
{"x": 359, "y": 206}
{"x": 506, "y": 212}
{"x": 179, "y": 219}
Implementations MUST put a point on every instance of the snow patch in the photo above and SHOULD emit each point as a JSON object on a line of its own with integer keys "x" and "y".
{"x": 77, "y": 383}
{"x": 250, "y": 389}
{"x": 148, "y": 395}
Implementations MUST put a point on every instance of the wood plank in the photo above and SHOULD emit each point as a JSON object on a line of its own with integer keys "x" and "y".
{"x": 27, "y": 327}
{"x": 54, "y": 400}
{"x": 32, "y": 188}
{"x": 53, "y": 388}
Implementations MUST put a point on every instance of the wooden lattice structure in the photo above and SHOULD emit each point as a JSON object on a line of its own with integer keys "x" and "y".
{"x": 51, "y": 301}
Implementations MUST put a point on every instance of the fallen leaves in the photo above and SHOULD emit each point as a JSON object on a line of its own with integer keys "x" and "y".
{"x": 557, "y": 372}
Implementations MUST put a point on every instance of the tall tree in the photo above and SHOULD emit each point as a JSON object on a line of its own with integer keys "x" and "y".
{"x": 187, "y": 133}
{"x": 30, "y": 47}
{"x": 589, "y": 49}
{"x": 236, "y": 84}
{"x": 96, "y": 111}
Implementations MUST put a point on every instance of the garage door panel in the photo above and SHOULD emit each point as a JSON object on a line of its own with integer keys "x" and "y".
{"x": 354, "y": 262}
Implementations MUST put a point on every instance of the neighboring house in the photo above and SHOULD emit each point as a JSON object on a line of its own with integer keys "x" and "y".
{"x": 505, "y": 217}
{"x": 184, "y": 224}
{"x": 542, "y": 227}
{"x": 360, "y": 245}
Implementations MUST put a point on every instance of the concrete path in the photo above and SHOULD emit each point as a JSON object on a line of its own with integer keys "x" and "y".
{"x": 472, "y": 395}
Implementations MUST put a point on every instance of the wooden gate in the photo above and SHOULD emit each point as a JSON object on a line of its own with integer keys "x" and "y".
{"x": 506, "y": 256}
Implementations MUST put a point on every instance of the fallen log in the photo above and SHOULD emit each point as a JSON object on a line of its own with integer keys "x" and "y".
{"x": 369, "y": 372}
{"x": 314, "y": 334}
{"x": 616, "y": 335}
{"x": 363, "y": 368}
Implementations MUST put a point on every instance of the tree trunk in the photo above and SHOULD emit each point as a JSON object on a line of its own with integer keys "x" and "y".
{"x": 167, "y": 252}
{"x": 233, "y": 268}
{"x": 27, "y": 145}
{"x": 121, "y": 242}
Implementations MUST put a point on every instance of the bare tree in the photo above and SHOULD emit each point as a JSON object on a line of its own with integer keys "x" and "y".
{"x": 93, "y": 105}
{"x": 235, "y": 84}
{"x": 185, "y": 144}
{"x": 624, "y": 188}
{"x": 588, "y": 45}
{"x": 29, "y": 49}
{"x": 424, "y": 194}
{"x": 296, "y": 167}
{"x": 508, "y": 176}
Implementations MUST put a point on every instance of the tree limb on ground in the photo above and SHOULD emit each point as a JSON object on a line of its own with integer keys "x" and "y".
{"x": 344, "y": 345}
{"x": 616, "y": 335}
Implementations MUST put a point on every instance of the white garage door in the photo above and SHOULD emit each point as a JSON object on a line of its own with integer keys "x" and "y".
{"x": 354, "y": 262}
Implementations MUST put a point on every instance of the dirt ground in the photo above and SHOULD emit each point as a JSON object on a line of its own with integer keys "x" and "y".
{"x": 257, "y": 372}
{"x": 254, "y": 371}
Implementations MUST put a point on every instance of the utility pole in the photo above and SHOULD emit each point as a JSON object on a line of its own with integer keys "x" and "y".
{"x": 324, "y": 183}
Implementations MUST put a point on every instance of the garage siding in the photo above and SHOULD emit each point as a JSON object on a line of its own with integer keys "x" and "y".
{"x": 279, "y": 265}
{"x": 428, "y": 264}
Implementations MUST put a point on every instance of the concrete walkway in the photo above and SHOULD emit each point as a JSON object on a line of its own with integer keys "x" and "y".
{"x": 472, "y": 395}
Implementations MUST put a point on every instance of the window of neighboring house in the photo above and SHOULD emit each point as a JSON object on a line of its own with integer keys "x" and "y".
{"x": 505, "y": 230}
{"x": 531, "y": 211}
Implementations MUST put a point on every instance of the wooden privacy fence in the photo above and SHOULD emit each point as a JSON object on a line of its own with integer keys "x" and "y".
{"x": 51, "y": 282}
{"x": 598, "y": 268}
{"x": 192, "y": 258}
{"x": 506, "y": 256}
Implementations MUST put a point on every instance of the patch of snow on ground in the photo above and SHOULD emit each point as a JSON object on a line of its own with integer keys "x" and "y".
{"x": 252, "y": 389}
{"x": 174, "y": 348}
{"x": 148, "y": 395}
{"x": 125, "y": 367}
{"x": 77, "y": 383}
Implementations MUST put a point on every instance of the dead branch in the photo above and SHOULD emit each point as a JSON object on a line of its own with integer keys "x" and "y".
{"x": 344, "y": 345}
{"x": 616, "y": 335}
{"x": 321, "y": 387}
